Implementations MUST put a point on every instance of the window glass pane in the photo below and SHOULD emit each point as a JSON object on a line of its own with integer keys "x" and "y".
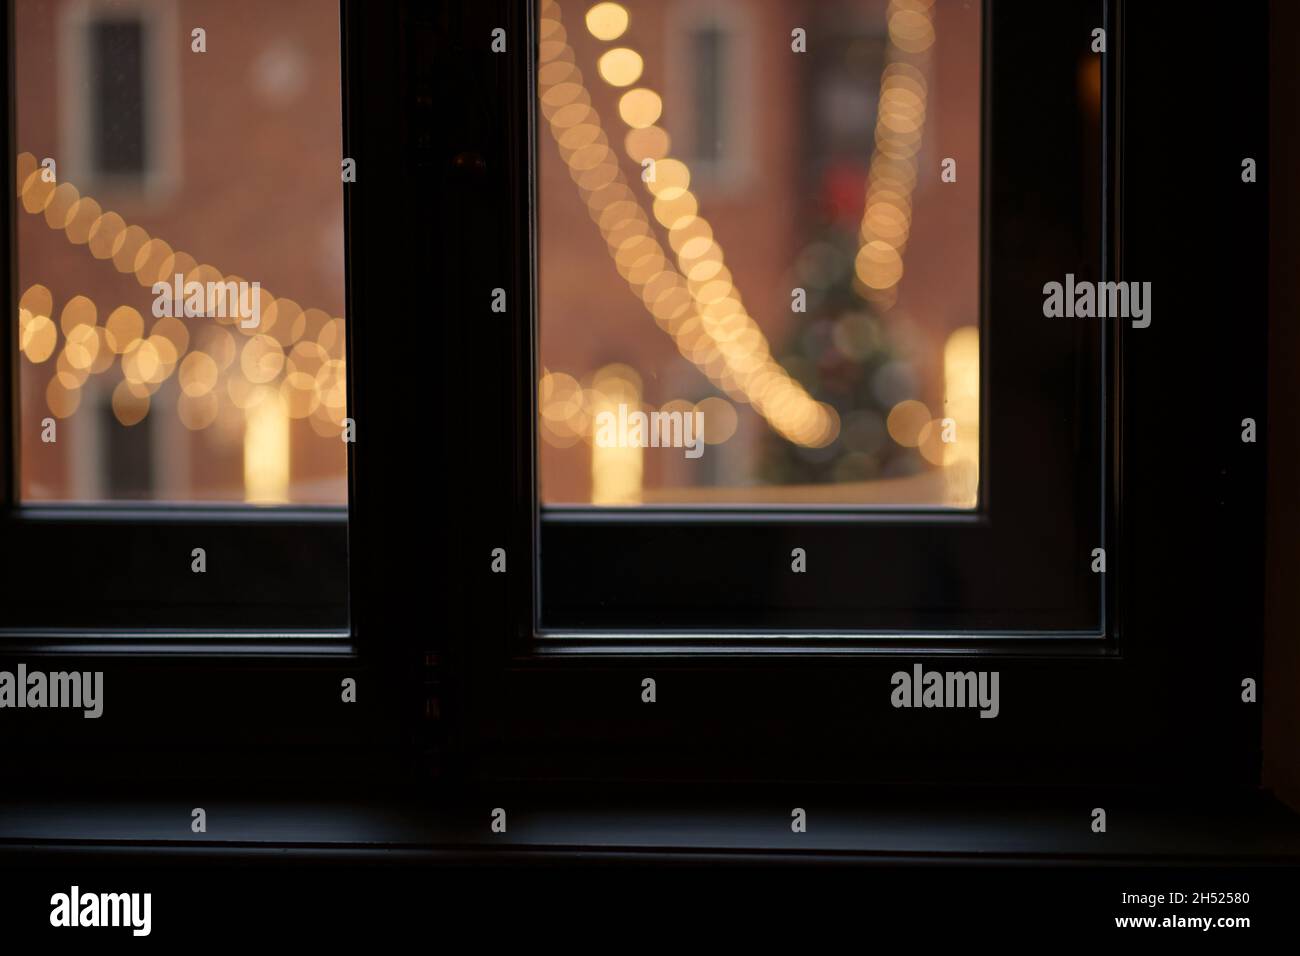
{"x": 759, "y": 271}
{"x": 180, "y": 251}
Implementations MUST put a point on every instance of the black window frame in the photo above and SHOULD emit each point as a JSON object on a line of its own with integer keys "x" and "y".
{"x": 254, "y": 673}
{"x": 1090, "y": 704}
{"x": 270, "y": 571}
{"x": 449, "y": 676}
{"x": 887, "y": 572}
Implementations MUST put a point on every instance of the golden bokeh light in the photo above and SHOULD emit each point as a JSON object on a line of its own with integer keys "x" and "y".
{"x": 126, "y": 246}
{"x": 930, "y": 440}
{"x": 331, "y": 382}
{"x": 178, "y": 263}
{"x": 152, "y": 263}
{"x": 243, "y": 393}
{"x": 167, "y": 357}
{"x": 141, "y": 363}
{"x": 905, "y": 421}
{"x": 565, "y": 94}
{"x": 25, "y": 166}
{"x": 323, "y": 424}
{"x": 682, "y": 208}
{"x": 618, "y": 381}
{"x": 58, "y": 210}
{"x": 306, "y": 357}
{"x": 175, "y": 331}
{"x": 720, "y": 419}
{"x": 220, "y": 344}
{"x": 648, "y": 142}
{"x": 620, "y": 66}
{"x": 640, "y": 107}
{"x": 39, "y": 337}
{"x": 62, "y": 398}
{"x": 607, "y": 21}
{"x": 309, "y": 325}
{"x": 911, "y": 31}
{"x": 560, "y": 396}
{"x": 672, "y": 177}
{"x": 67, "y": 373}
{"x": 104, "y": 233}
{"x": 85, "y": 213}
{"x": 279, "y": 320}
{"x": 78, "y": 310}
{"x": 208, "y": 278}
{"x": 198, "y": 374}
{"x": 37, "y": 300}
{"x": 331, "y": 337}
{"x": 82, "y": 347}
{"x": 299, "y": 394}
{"x": 123, "y": 327}
{"x": 879, "y": 265}
{"x": 104, "y": 355}
{"x": 197, "y": 412}
{"x": 261, "y": 359}
{"x": 37, "y": 192}
{"x": 140, "y": 388}
{"x": 128, "y": 407}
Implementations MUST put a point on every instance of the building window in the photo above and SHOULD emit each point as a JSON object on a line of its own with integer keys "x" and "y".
{"x": 181, "y": 305}
{"x": 119, "y": 144}
{"x": 119, "y": 97}
{"x": 708, "y": 80}
{"x": 709, "y": 51}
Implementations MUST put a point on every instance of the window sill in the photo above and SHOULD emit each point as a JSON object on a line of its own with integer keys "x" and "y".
{"x": 927, "y": 827}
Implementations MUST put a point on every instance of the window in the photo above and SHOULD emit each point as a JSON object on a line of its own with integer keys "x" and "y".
{"x": 180, "y": 321}
{"x": 564, "y": 602}
{"x": 539, "y": 611}
{"x": 747, "y": 381}
{"x": 117, "y": 111}
{"x": 117, "y": 67}
{"x": 706, "y": 67}
{"x": 709, "y": 49}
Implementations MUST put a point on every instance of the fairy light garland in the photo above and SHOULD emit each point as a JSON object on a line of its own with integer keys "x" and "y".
{"x": 900, "y": 120}
{"x": 695, "y": 301}
{"x": 296, "y": 354}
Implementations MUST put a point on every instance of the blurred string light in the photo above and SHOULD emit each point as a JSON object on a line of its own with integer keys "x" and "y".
{"x": 569, "y": 408}
{"x": 696, "y": 301}
{"x": 292, "y": 365}
{"x": 953, "y": 440}
{"x": 900, "y": 120}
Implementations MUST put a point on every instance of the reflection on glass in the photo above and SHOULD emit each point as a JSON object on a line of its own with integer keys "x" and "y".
{"x": 180, "y": 251}
{"x": 761, "y": 218}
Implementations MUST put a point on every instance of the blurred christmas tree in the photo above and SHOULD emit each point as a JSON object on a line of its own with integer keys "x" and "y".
{"x": 839, "y": 351}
